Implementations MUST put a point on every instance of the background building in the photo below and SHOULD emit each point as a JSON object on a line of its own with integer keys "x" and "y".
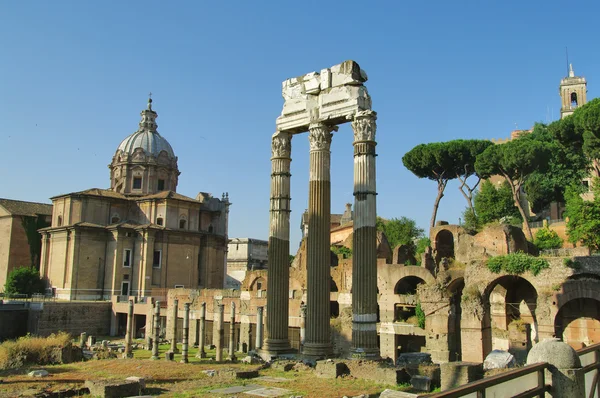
{"x": 244, "y": 254}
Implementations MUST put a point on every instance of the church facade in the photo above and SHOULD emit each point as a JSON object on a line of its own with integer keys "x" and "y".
{"x": 139, "y": 236}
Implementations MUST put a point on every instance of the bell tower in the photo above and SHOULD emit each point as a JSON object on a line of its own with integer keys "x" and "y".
{"x": 573, "y": 93}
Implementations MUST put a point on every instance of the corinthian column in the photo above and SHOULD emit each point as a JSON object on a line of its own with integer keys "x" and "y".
{"x": 364, "y": 241}
{"x": 318, "y": 338}
{"x": 279, "y": 247}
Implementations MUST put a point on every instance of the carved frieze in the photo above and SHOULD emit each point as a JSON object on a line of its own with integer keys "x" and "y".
{"x": 364, "y": 126}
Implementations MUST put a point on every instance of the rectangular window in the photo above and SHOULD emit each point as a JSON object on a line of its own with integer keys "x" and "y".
{"x": 137, "y": 182}
{"x": 125, "y": 289}
{"x": 159, "y": 221}
{"x": 161, "y": 185}
{"x": 156, "y": 262}
{"x": 179, "y": 286}
{"x": 127, "y": 258}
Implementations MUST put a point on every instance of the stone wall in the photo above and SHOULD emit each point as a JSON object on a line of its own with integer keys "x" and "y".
{"x": 13, "y": 323}
{"x": 71, "y": 317}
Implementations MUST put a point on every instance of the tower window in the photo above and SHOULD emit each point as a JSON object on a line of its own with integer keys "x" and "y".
{"x": 156, "y": 261}
{"x": 137, "y": 182}
{"x": 127, "y": 258}
{"x": 59, "y": 222}
{"x": 573, "y": 100}
{"x": 161, "y": 185}
{"x": 181, "y": 224}
{"x": 159, "y": 221}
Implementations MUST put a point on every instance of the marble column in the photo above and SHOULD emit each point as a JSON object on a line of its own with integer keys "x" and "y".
{"x": 220, "y": 337}
{"x": 201, "y": 353}
{"x": 231, "y": 355}
{"x": 186, "y": 333}
{"x": 278, "y": 273}
{"x": 128, "y": 353}
{"x": 364, "y": 241}
{"x": 155, "y": 354}
{"x": 174, "y": 349}
{"x": 259, "y": 327}
{"x": 318, "y": 336}
{"x": 302, "y": 324}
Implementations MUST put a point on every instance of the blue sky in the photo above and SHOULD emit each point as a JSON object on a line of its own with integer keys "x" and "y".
{"x": 74, "y": 76}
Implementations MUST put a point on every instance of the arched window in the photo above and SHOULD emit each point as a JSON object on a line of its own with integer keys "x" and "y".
{"x": 115, "y": 219}
{"x": 182, "y": 223}
{"x": 59, "y": 221}
{"x": 159, "y": 221}
{"x": 210, "y": 229}
{"x": 573, "y": 100}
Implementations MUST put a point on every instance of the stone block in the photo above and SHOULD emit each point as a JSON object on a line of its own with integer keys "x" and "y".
{"x": 396, "y": 394}
{"x": 456, "y": 374}
{"x": 413, "y": 359}
{"x": 498, "y": 359}
{"x": 421, "y": 383}
{"x": 169, "y": 356}
{"x": 113, "y": 389}
{"x": 330, "y": 369}
{"x": 140, "y": 380}
{"x": 38, "y": 373}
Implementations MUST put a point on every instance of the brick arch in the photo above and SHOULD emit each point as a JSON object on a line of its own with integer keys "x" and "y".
{"x": 576, "y": 289}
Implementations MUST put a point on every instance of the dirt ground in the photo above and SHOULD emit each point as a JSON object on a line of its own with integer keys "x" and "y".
{"x": 174, "y": 379}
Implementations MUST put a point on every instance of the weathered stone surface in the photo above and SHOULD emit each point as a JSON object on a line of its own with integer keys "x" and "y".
{"x": 498, "y": 359}
{"x": 421, "y": 383}
{"x": 555, "y": 352}
{"x": 269, "y": 392}
{"x": 113, "y": 389}
{"x": 330, "y": 369}
{"x": 138, "y": 379}
{"x": 412, "y": 359}
{"x": 38, "y": 373}
{"x": 396, "y": 394}
{"x": 251, "y": 360}
{"x": 209, "y": 373}
{"x": 456, "y": 374}
{"x": 236, "y": 389}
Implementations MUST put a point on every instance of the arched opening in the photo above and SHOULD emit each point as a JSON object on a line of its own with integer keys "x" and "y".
{"x": 578, "y": 322}
{"x": 455, "y": 288}
{"x": 510, "y": 322}
{"x": 59, "y": 221}
{"x": 332, "y": 285}
{"x": 182, "y": 224}
{"x": 408, "y": 285}
{"x": 405, "y": 254}
{"x": 115, "y": 219}
{"x": 444, "y": 244}
{"x": 334, "y": 260}
{"x": 573, "y": 100}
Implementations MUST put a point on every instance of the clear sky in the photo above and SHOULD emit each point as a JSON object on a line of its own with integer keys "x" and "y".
{"x": 74, "y": 76}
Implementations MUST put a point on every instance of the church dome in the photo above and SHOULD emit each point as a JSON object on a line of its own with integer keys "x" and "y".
{"x": 150, "y": 141}
{"x": 147, "y": 137}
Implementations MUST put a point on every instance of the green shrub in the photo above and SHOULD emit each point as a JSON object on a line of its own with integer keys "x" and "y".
{"x": 420, "y": 314}
{"x": 24, "y": 280}
{"x": 545, "y": 238}
{"x": 517, "y": 264}
{"x": 343, "y": 251}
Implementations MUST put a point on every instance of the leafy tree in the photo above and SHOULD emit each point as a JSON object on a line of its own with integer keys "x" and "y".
{"x": 292, "y": 257}
{"x": 586, "y": 120}
{"x": 495, "y": 203}
{"x": 400, "y": 231}
{"x": 464, "y": 153}
{"x": 584, "y": 217}
{"x": 435, "y": 162}
{"x": 24, "y": 280}
{"x": 567, "y": 165}
{"x": 545, "y": 238}
{"x": 515, "y": 160}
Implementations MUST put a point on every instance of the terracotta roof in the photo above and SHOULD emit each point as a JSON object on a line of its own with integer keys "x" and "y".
{"x": 168, "y": 195}
{"x": 21, "y": 208}
{"x": 106, "y": 193}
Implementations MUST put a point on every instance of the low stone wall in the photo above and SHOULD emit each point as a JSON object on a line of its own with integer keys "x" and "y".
{"x": 71, "y": 317}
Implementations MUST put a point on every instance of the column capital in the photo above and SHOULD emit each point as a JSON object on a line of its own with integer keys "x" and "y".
{"x": 364, "y": 126}
{"x": 319, "y": 136}
{"x": 281, "y": 145}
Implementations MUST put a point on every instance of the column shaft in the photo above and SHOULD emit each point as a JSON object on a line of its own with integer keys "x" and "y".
{"x": 220, "y": 337}
{"x": 201, "y": 353}
{"x": 174, "y": 349}
{"x": 318, "y": 335}
{"x": 156, "y": 330}
{"x": 278, "y": 273}
{"x": 364, "y": 241}
{"x": 231, "y": 355}
{"x": 259, "y": 327}
{"x": 186, "y": 333}
{"x": 127, "y": 353}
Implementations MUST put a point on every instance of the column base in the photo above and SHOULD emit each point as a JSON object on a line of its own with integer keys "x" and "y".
{"x": 231, "y": 358}
{"x": 201, "y": 354}
{"x": 275, "y": 348}
{"x": 317, "y": 350}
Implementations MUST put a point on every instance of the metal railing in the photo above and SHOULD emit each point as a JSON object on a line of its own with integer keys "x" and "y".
{"x": 590, "y": 361}
{"x": 528, "y": 381}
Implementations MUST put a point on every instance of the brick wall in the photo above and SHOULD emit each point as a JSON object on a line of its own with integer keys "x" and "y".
{"x": 73, "y": 318}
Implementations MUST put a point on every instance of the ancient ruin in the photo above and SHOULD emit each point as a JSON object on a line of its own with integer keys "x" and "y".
{"x": 318, "y": 103}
